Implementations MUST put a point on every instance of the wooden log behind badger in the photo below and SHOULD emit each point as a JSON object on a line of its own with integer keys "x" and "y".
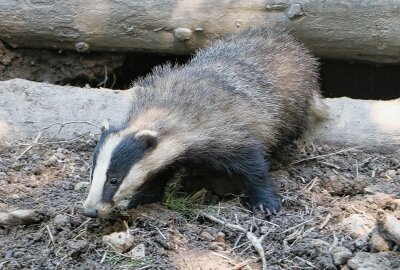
{"x": 347, "y": 29}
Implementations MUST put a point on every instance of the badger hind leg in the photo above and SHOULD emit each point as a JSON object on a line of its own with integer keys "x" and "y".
{"x": 253, "y": 168}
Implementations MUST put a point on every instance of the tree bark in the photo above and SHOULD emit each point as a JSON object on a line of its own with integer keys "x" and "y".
{"x": 28, "y": 107}
{"x": 348, "y": 29}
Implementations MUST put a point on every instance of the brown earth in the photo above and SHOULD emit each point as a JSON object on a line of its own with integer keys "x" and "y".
{"x": 330, "y": 206}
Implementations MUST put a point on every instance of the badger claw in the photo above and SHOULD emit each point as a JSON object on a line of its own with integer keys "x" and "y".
{"x": 269, "y": 205}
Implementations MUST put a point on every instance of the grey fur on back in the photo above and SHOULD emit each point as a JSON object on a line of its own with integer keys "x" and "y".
{"x": 258, "y": 86}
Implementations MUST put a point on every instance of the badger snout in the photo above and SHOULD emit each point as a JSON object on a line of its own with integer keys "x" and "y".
{"x": 90, "y": 212}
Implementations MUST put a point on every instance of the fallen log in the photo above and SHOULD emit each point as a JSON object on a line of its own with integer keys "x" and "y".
{"x": 349, "y": 29}
{"x": 29, "y": 109}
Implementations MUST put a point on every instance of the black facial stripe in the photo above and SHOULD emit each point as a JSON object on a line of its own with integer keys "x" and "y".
{"x": 99, "y": 144}
{"x": 123, "y": 157}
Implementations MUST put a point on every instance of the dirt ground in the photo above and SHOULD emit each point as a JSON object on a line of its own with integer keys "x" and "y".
{"x": 331, "y": 203}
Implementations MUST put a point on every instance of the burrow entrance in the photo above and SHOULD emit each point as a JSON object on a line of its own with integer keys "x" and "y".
{"x": 118, "y": 71}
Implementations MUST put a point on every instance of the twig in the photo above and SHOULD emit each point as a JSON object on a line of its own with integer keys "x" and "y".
{"x": 241, "y": 265}
{"x": 162, "y": 235}
{"x": 255, "y": 242}
{"x": 104, "y": 257}
{"x": 356, "y": 168}
{"x": 330, "y": 165}
{"x": 62, "y": 125}
{"x": 105, "y": 78}
{"x": 327, "y": 155}
{"x": 50, "y": 234}
{"x": 294, "y": 227}
{"x": 328, "y": 217}
{"x": 35, "y": 141}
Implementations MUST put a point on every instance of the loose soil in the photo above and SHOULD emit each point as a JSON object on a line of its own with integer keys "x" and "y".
{"x": 328, "y": 202}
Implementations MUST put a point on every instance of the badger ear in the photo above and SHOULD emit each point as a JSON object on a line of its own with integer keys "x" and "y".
{"x": 104, "y": 125}
{"x": 147, "y": 137}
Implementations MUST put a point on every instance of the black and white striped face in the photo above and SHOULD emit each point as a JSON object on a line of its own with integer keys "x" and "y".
{"x": 117, "y": 168}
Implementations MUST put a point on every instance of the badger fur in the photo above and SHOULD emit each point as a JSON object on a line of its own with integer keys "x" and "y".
{"x": 221, "y": 113}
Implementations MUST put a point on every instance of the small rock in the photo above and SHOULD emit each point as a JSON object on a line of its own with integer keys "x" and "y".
{"x": 391, "y": 173}
{"x": 378, "y": 243}
{"x": 341, "y": 255}
{"x": 372, "y": 261}
{"x": 213, "y": 246}
{"x": 59, "y": 155}
{"x": 295, "y": 10}
{"x": 66, "y": 185}
{"x": 212, "y": 230}
{"x": 183, "y": 34}
{"x": 77, "y": 247}
{"x": 361, "y": 242}
{"x": 20, "y": 217}
{"x": 61, "y": 221}
{"x": 16, "y": 166}
{"x": 137, "y": 252}
{"x": 81, "y": 186}
{"x": 51, "y": 161}
{"x": 382, "y": 187}
{"x": 220, "y": 237}
{"x": 264, "y": 229}
{"x": 389, "y": 227}
{"x": 339, "y": 185}
{"x": 357, "y": 225}
{"x": 3, "y": 183}
{"x": 206, "y": 236}
{"x": 121, "y": 241}
{"x": 3, "y": 176}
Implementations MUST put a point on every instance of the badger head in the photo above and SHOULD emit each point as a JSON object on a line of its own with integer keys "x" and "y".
{"x": 120, "y": 166}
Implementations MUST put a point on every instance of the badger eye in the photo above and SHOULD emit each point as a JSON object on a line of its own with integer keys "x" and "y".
{"x": 113, "y": 181}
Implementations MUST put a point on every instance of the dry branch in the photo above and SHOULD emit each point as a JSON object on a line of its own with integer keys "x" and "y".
{"x": 255, "y": 242}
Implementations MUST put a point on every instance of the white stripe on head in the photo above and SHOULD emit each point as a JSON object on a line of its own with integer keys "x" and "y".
{"x": 100, "y": 171}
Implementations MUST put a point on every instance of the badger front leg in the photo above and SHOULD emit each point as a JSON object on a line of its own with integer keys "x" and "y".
{"x": 152, "y": 191}
{"x": 253, "y": 168}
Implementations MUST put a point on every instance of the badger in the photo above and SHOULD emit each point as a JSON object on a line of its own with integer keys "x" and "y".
{"x": 223, "y": 113}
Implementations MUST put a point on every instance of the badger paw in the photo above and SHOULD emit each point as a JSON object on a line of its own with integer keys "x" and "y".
{"x": 268, "y": 204}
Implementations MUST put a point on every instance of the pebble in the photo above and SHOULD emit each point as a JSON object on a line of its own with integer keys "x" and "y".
{"x": 51, "y": 161}
{"x": 121, "y": 241}
{"x": 81, "y": 186}
{"x": 370, "y": 261}
{"x": 61, "y": 221}
{"x": 220, "y": 238}
{"x": 357, "y": 225}
{"x": 378, "y": 243}
{"x": 138, "y": 252}
{"x": 3, "y": 176}
{"x": 66, "y": 185}
{"x": 391, "y": 173}
{"x": 389, "y": 226}
{"x": 59, "y": 155}
{"x": 183, "y": 34}
{"x": 16, "y": 166}
{"x": 77, "y": 247}
{"x": 20, "y": 217}
{"x": 207, "y": 236}
{"x": 340, "y": 185}
{"x": 341, "y": 255}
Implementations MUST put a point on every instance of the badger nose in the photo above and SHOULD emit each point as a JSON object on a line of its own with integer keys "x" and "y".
{"x": 90, "y": 212}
